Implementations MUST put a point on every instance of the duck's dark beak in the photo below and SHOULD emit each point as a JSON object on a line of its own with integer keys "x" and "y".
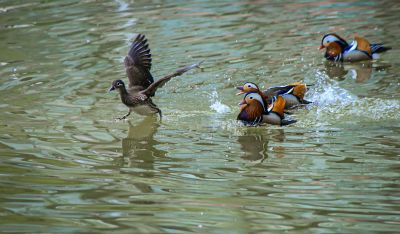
{"x": 241, "y": 90}
{"x": 111, "y": 89}
{"x": 321, "y": 47}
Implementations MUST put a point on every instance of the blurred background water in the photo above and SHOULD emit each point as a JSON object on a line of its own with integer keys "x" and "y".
{"x": 66, "y": 166}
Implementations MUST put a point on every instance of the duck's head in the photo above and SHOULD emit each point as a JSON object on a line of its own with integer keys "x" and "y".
{"x": 117, "y": 84}
{"x": 248, "y": 87}
{"x": 251, "y": 108}
{"x": 329, "y": 38}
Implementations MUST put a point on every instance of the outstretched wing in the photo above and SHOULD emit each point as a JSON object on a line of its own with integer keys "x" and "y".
{"x": 138, "y": 63}
{"x": 150, "y": 91}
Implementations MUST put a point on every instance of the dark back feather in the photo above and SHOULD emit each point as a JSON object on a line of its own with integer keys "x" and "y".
{"x": 138, "y": 63}
{"x": 379, "y": 48}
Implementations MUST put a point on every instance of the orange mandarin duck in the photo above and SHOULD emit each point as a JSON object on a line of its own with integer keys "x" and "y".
{"x": 293, "y": 93}
{"x": 253, "y": 111}
{"x": 338, "y": 50}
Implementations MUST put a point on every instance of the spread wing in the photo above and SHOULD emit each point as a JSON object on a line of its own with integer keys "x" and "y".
{"x": 138, "y": 63}
{"x": 150, "y": 91}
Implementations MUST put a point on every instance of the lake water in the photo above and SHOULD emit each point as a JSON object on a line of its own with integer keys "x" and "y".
{"x": 67, "y": 166}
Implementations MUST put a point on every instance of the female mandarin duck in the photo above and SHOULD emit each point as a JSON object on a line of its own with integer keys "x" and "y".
{"x": 141, "y": 87}
{"x": 253, "y": 111}
{"x": 293, "y": 93}
{"x": 337, "y": 49}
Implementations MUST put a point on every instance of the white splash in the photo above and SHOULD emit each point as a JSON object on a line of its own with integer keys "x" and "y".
{"x": 217, "y": 105}
{"x": 333, "y": 104}
{"x": 333, "y": 94}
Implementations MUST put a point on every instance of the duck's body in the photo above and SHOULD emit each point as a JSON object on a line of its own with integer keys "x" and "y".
{"x": 138, "y": 102}
{"x": 338, "y": 50}
{"x": 293, "y": 93}
{"x": 253, "y": 111}
{"x": 141, "y": 87}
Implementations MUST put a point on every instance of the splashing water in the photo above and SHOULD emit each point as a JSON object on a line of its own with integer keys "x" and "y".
{"x": 333, "y": 94}
{"x": 217, "y": 105}
{"x": 333, "y": 103}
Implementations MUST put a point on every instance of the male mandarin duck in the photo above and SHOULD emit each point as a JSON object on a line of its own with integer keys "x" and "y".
{"x": 141, "y": 87}
{"x": 293, "y": 93}
{"x": 253, "y": 111}
{"x": 337, "y": 49}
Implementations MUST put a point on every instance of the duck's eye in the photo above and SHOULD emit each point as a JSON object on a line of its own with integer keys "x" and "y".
{"x": 249, "y": 86}
{"x": 251, "y": 97}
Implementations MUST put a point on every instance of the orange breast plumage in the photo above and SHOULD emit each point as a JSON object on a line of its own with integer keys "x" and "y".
{"x": 251, "y": 112}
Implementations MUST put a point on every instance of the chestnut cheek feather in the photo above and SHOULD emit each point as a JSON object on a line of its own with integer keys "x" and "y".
{"x": 242, "y": 107}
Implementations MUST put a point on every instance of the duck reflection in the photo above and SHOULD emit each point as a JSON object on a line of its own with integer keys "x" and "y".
{"x": 254, "y": 143}
{"x": 360, "y": 72}
{"x": 138, "y": 147}
{"x": 138, "y": 150}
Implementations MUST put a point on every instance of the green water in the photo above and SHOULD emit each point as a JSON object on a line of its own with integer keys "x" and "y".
{"x": 66, "y": 166}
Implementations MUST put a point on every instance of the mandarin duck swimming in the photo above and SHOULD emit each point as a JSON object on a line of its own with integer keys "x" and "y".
{"x": 141, "y": 87}
{"x": 293, "y": 93}
{"x": 337, "y": 49}
{"x": 253, "y": 111}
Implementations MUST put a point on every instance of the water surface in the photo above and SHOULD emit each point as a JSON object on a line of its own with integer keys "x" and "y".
{"x": 67, "y": 166}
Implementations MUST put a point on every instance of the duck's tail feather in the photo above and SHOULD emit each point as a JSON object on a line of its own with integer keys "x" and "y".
{"x": 285, "y": 122}
{"x": 304, "y": 101}
{"x": 379, "y": 48}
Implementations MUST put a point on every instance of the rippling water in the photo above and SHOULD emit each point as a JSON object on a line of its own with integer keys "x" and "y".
{"x": 67, "y": 166}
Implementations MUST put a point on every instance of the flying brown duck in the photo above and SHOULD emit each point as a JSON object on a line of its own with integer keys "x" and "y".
{"x": 141, "y": 87}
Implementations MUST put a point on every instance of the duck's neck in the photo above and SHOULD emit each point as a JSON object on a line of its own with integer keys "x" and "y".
{"x": 123, "y": 93}
{"x": 265, "y": 99}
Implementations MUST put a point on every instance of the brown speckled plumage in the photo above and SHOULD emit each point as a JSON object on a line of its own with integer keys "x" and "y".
{"x": 141, "y": 87}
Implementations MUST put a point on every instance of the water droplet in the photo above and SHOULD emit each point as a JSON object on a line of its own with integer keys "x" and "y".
{"x": 217, "y": 105}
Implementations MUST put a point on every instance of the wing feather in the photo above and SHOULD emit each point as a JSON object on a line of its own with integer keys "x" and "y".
{"x": 150, "y": 91}
{"x": 138, "y": 63}
{"x": 363, "y": 44}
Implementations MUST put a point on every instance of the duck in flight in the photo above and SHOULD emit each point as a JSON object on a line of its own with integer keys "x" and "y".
{"x": 142, "y": 87}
